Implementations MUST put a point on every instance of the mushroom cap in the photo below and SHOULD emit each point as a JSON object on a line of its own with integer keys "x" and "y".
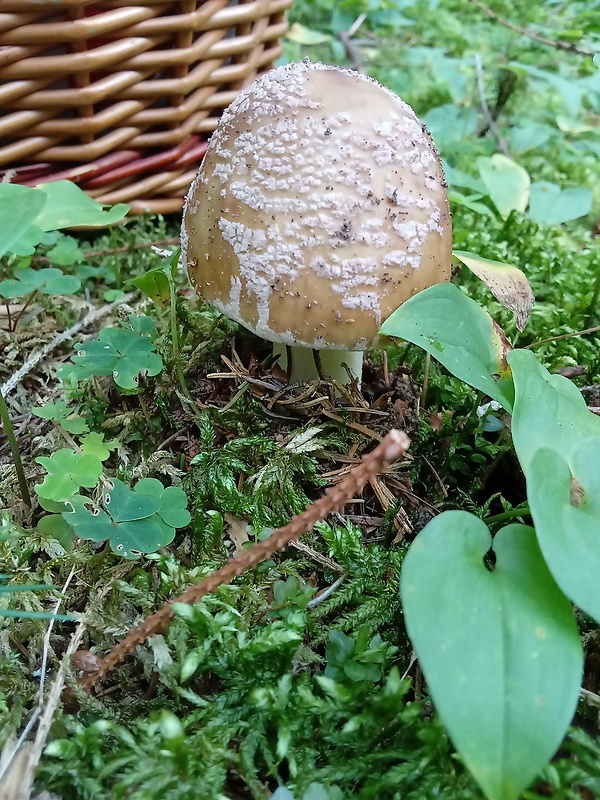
{"x": 319, "y": 208}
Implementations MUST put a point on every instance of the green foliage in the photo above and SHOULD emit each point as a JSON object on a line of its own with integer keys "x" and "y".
{"x": 124, "y": 353}
{"x": 474, "y": 351}
{"x": 507, "y": 183}
{"x": 67, "y": 472}
{"x": 510, "y": 610}
{"x": 499, "y": 646}
{"x": 255, "y": 713}
{"x": 271, "y": 720}
{"x": 61, "y": 413}
{"x": 19, "y": 206}
{"x": 27, "y": 213}
{"x": 356, "y": 659}
{"x": 47, "y": 281}
{"x": 274, "y": 475}
{"x": 133, "y": 521}
{"x": 10, "y": 591}
{"x": 290, "y": 596}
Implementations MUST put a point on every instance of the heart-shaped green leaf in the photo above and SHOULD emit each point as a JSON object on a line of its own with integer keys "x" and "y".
{"x": 564, "y": 498}
{"x": 506, "y": 182}
{"x": 549, "y": 410}
{"x": 459, "y": 334}
{"x": 173, "y": 509}
{"x": 500, "y": 649}
{"x": 154, "y": 284}
{"x": 551, "y": 205}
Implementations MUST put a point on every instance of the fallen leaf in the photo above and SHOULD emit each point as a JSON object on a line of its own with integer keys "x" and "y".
{"x": 237, "y": 531}
{"x": 507, "y": 283}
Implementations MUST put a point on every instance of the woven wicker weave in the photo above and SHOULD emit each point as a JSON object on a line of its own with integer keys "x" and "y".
{"x": 121, "y": 97}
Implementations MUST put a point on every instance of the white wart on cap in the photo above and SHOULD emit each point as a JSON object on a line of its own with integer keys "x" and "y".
{"x": 319, "y": 208}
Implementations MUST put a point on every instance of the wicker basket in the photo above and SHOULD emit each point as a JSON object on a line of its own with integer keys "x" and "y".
{"x": 121, "y": 97}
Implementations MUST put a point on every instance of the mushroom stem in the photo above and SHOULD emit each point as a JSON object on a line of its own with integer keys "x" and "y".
{"x": 303, "y": 367}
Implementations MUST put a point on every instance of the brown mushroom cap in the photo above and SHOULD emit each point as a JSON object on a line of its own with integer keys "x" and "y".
{"x": 319, "y": 208}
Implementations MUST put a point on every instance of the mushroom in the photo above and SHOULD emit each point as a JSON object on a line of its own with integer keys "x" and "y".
{"x": 319, "y": 208}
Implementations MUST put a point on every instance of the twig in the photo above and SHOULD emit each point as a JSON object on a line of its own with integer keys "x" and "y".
{"x": 352, "y": 51}
{"x": 314, "y": 555}
{"x": 35, "y": 359}
{"x": 490, "y": 121}
{"x": 393, "y": 447}
{"x": 590, "y": 698}
{"x": 113, "y": 251}
{"x": 326, "y": 593}
{"x": 569, "y": 47}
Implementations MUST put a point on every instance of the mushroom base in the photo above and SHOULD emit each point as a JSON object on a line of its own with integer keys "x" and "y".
{"x": 332, "y": 364}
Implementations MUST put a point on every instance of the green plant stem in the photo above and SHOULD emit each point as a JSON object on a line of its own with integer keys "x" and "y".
{"x": 14, "y": 448}
{"x": 522, "y": 511}
{"x": 175, "y": 340}
{"x": 591, "y": 309}
{"x": 562, "y": 336}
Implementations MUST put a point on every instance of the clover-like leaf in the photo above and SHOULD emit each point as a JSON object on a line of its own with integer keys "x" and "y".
{"x": 119, "y": 352}
{"x": 144, "y": 325}
{"x": 125, "y": 505}
{"x": 66, "y": 252}
{"x": 134, "y": 521}
{"x": 59, "y": 412}
{"x": 67, "y": 471}
{"x": 49, "y": 280}
{"x": 94, "y": 443}
{"x": 173, "y": 509}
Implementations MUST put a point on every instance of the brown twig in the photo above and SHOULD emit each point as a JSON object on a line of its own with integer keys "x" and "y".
{"x": 569, "y": 47}
{"x": 490, "y": 121}
{"x": 393, "y": 447}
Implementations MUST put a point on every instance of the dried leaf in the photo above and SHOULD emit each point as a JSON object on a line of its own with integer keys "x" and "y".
{"x": 237, "y": 531}
{"x": 508, "y": 284}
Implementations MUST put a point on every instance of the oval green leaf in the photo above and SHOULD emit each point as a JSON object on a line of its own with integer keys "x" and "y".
{"x": 69, "y": 206}
{"x": 549, "y": 410}
{"x": 19, "y": 207}
{"x": 565, "y": 504}
{"x": 500, "y": 649}
{"x": 459, "y": 334}
{"x": 507, "y": 183}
